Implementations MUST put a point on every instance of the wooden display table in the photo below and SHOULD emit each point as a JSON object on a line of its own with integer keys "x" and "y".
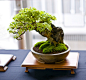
{"x": 4, "y": 60}
{"x": 70, "y": 63}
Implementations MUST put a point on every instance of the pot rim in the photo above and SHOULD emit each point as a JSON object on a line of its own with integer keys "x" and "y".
{"x": 51, "y": 54}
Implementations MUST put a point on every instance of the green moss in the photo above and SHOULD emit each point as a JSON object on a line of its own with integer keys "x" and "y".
{"x": 46, "y": 47}
{"x": 42, "y": 46}
{"x": 60, "y": 47}
{"x": 39, "y": 43}
{"x": 49, "y": 49}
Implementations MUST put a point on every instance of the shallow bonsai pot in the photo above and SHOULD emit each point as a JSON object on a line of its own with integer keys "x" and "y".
{"x": 50, "y": 58}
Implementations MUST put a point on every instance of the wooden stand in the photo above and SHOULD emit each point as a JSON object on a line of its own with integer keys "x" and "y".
{"x": 4, "y": 60}
{"x": 70, "y": 63}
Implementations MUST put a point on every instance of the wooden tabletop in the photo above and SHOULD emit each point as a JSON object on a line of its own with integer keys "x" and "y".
{"x": 70, "y": 62}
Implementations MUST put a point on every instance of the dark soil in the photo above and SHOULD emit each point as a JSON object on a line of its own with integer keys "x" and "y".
{"x": 40, "y": 51}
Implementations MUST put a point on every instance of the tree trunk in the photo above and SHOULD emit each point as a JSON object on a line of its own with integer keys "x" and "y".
{"x": 54, "y": 36}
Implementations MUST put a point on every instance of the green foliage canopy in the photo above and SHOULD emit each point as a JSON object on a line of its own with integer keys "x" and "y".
{"x": 30, "y": 19}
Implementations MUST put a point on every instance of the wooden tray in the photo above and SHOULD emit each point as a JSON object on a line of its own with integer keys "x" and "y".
{"x": 4, "y": 60}
{"x": 70, "y": 63}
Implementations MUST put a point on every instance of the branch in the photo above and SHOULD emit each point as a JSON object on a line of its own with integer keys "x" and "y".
{"x": 19, "y": 37}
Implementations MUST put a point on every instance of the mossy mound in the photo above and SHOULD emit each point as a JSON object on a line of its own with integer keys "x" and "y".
{"x": 46, "y": 47}
{"x": 39, "y": 43}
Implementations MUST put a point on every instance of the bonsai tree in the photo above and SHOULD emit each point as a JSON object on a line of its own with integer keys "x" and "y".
{"x": 40, "y": 21}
